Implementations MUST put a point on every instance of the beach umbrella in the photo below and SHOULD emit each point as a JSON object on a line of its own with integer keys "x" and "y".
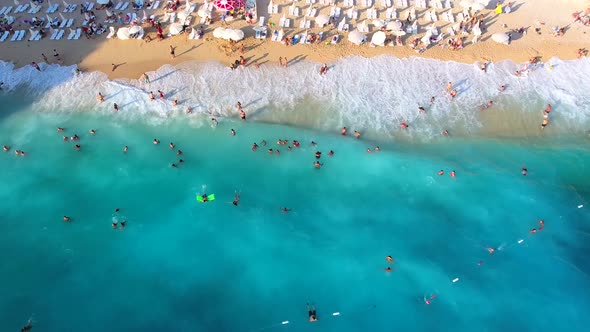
{"x": 398, "y": 33}
{"x": 102, "y": 2}
{"x": 135, "y": 29}
{"x": 108, "y": 12}
{"x": 220, "y": 32}
{"x": 204, "y": 12}
{"x": 356, "y": 37}
{"x": 362, "y": 26}
{"x": 501, "y": 38}
{"x": 378, "y": 38}
{"x": 477, "y": 6}
{"x": 466, "y": 3}
{"x": 123, "y": 33}
{"x": 378, "y": 23}
{"x": 182, "y": 16}
{"x": 426, "y": 38}
{"x": 239, "y": 3}
{"x": 235, "y": 34}
{"x": 395, "y": 25}
{"x": 175, "y": 28}
{"x": 322, "y": 19}
{"x": 224, "y": 4}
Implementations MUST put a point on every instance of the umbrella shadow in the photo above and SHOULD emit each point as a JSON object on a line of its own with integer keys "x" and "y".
{"x": 250, "y": 63}
{"x": 258, "y": 111}
{"x": 174, "y": 92}
{"x": 297, "y": 59}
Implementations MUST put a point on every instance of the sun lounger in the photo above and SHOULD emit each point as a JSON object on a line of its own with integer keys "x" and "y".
{"x": 54, "y": 34}
{"x": 438, "y": 4}
{"x": 8, "y": 10}
{"x": 433, "y": 16}
{"x": 335, "y": 39}
{"x": 118, "y": 6}
{"x": 22, "y": 35}
{"x": 303, "y": 38}
{"x": 427, "y": 17}
{"x": 337, "y": 13}
{"x": 70, "y": 22}
{"x": 261, "y": 21}
{"x": 4, "y": 36}
{"x": 450, "y": 16}
{"x": 15, "y": 35}
{"x": 3, "y": 9}
{"x": 23, "y": 8}
{"x": 60, "y": 34}
{"x": 78, "y": 33}
{"x": 72, "y": 34}
{"x": 125, "y": 5}
{"x": 280, "y": 35}
{"x": 341, "y": 24}
{"x": 460, "y": 17}
{"x": 310, "y": 1}
{"x": 448, "y": 4}
{"x": 90, "y": 6}
{"x": 388, "y": 3}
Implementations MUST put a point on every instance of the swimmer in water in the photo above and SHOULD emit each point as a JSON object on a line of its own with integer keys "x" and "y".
{"x": 441, "y": 172}
{"x": 242, "y": 115}
{"x": 60, "y": 129}
{"x": 156, "y": 141}
{"x": 254, "y": 147}
{"x": 524, "y": 171}
{"x": 487, "y": 105}
{"x": 285, "y": 210}
{"x": 92, "y": 131}
{"x": 152, "y": 97}
{"x": 421, "y": 109}
{"x": 369, "y": 150}
{"x": 453, "y": 93}
{"x": 233, "y": 132}
{"x": 389, "y": 259}
{"x": 541, "y": 225}
{"x": 317, "y": 164}
{"x": 239, "y": 106}
{"x": 445, "y": 132}
{"x": 171, "y": 145}
{"x": 377, "y": 149}
{"x": 66, "y": 218}
{"x": 432, "y": 99}
{"x": 404, "y": 125}
{"x": 114, "y": 224}
{"x": 77, "y": 147}
{"x": 388, "y": 269}
{"x": 502, "y": 88}
{"x": 116, "y": 107}
{"x": 161, "y": 94}
{"x": 123, "y": 223}
{"x": 449, "y": 86}
{"x": 100, "y": 97}
{"x": 175, "y": 102}
{"x": 357, "y": 134}
{"x": 343, "y": 131}
{"x": 263, "y": 143}
{"x": 429, "y": 300}
{"x": 179, "y": 152}
{"x": 453, "y": 174}
{"x": 27, "y": 327}
{"x": 318, "y": 155}
{"x": 533, "y": 231}
{"x": 236, "y": 198}
{"x": 125, "y": 149}
{"x": 6, "y": 148}
{"x": 331, "y": 153}
{"x": 491, "y": 250}
{"x": 312, "y": 313}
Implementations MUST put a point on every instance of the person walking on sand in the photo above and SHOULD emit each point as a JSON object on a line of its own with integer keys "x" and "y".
{"x": 44, "y": 58}
{"x": 145, "y": 78}
{"x": 286, "y": 62}
{"x": 100, "y": 97}
{"x": 449, "y": 86}
{"x": 281, "y": 61}
{"x": 35, "y": 65}
{"x": 172, "y": 53}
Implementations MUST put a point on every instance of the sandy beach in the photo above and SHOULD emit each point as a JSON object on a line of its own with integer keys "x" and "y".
{"x": 135, "y": 57}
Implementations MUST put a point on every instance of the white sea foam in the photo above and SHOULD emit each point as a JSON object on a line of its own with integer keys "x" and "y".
{"x": 370, "y": 93}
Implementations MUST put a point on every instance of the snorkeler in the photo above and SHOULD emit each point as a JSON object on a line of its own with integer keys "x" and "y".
{"x": 236, "y": 198}
{"x": 312, "y": 313}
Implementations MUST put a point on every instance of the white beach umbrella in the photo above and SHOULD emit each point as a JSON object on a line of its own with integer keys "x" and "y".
{"x": 220, "y": 32}
{"x": 204, "y": 12}
{"x": 398, "y": 33}
{"x": 378, "y": 23}
{"x": 135, "y": 29}
{"x": 175, "y": 28}
{"x": 322, "y": 19}
{"x": 426, "y": 39}
{"x": 108, "y": 12}
{"x": 395, "y": 25}
{"x": 477, "y": 6}
{"x": 102, "y": 2}
{"x": 182, "y": 16}
{"x": 466, "y": 4}
{"x": 235, "y": 34}
{"x": 378, "y": 38}
{"x": 501, "y": 38}
{"x": 356, "y": 37}
{"x": 123, "y": 33}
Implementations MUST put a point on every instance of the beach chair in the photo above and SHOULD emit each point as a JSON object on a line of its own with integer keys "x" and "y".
{"x": 287, "y": 23}
{"x": 292, "y": 9}
{"x": 156, "y": 5}
{"x": 388, "y": 3}
{"x": 24, "y": 8}
{"x": 78, "y": 33}
{"x": 438, "y": 4}
{"x": 72, "y": 34}
{"x": 53, "y": 34}
{"x": 15, "y": 35}
{"x": 341, "y": 24}
{"x": 111, "y": 32}
{"x": 460, "y": 17}
{"x": 313, "y": 12}
{"x": 22, "y": 35}
{"x": 335, "y": 39}
{"x": 280, "y": 35}
{"x": 303, "y": 39}
{"x": 433, "y": 15}
{"x": 302, "y": 23}
{"x": 412, "y": 14}
{"x": 60, "y": 34}
{"x": 33, "y": 34}
{"x": 70, "y": 22}
{"x": 191, "y": 8}
{"x": 125, "y": 5}
{"x": 308, "y": 24}
{"x": 296, "y": 12}
{"x": 4, "y": 36}
{"x": 332, "y": 11}
{"x": 118, "y": 6}
{"x": 282, "y": 21}
{"x": 405, "y": 3}
{"x": 337, "y": 12}
{"x": 451, "y": 17}
{"x": 427, "y": 17}
{"x": 193, "y": 33}
{"x": 3, "y": 9}
{"x": 448, "y": 4}
{"x": 261, "y": 21}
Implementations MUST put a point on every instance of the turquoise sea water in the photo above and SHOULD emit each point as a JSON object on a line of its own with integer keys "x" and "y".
{"x": 180, "y": 265}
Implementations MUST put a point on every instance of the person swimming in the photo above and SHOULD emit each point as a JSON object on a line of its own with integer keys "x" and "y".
{"x": 205, "y": 199}
{"x": 524, "y": 171}
{"x": 27, "y": 327}
{"x": 285, "y": 210}
{"x": 311, "y": 312}
{"x": 236, "y": 198}
{"x": 389, "y": 259}
{"x": 66, "y": 218}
